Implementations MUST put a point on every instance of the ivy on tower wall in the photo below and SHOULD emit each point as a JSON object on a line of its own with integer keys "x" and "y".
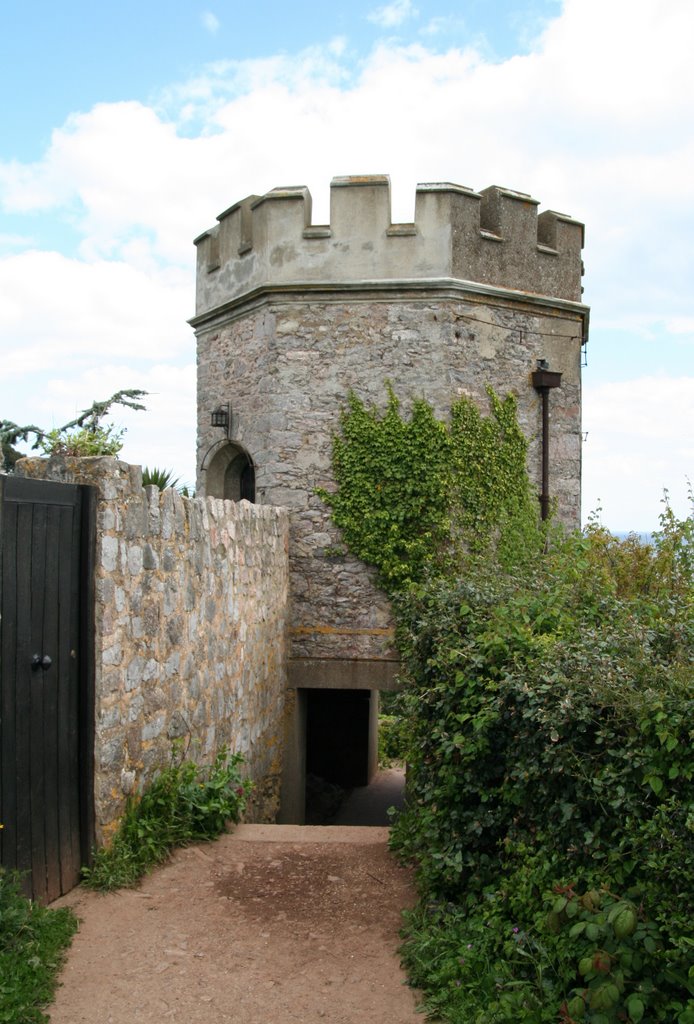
{"x": 413, "y": 492}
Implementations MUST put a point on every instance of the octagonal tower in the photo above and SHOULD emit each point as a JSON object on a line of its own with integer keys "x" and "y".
{"x": 291, "y": 315}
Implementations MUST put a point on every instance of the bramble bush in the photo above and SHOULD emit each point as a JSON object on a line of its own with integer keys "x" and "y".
{"x": 551, "y": 712}
{"x": 548, "y": 710}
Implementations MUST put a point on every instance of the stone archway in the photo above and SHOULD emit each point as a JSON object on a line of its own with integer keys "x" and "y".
{"x": 230, "y": 473}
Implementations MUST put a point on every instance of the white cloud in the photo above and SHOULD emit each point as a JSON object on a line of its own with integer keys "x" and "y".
{"x": 337, "y": 46}
{"x": 210, "y": 22}
{"x": 57, "y": 309}
{"x": 639, "y": 445}
{"x": 393, "y": 14}
{"x": 8, "y": 241}
{"x": 442, "y": 25}
{"x": 596, "y": 120}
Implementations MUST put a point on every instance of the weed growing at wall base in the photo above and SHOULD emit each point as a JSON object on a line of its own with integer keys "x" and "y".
{"x": 184, "y": 804}
{"x": 33, "y": 943}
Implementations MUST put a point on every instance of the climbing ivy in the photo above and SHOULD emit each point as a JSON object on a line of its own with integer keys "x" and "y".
{"x": 394, "y": 482}
{"x": 413, "y": 493}
{"x": 491, "y": 497}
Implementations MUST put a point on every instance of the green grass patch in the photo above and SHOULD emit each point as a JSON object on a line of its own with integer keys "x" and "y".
{"x": 33, "y": 944}
{"x": 186, "y": 803}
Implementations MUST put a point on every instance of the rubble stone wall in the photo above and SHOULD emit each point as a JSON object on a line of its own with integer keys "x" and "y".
{"x": 191, "y": 598}
{"x": 287, "y": 368}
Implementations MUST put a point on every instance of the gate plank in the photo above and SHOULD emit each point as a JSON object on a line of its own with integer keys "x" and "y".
{"x": 51, "y": 682}
{"x": 68, "y": 710}
{"x": 38, "y": 767}
{"x": 23, "y": 685}
{"x": 8, "y": 697}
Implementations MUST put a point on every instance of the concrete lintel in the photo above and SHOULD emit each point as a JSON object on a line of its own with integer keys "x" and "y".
{"x": 342, "y": 674}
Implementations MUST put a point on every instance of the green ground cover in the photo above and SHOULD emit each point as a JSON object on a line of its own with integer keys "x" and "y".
{"x": 33, "y": 943}
{"x": 185, "y": 803}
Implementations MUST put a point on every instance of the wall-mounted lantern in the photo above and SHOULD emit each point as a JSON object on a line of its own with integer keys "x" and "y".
{"x": 221, "y": 417}
{"x": 544, "y": 380}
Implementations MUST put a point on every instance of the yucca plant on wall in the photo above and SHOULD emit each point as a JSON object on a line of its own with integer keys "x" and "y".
{"x": 163, "y": 479}
{"x": 156, "y": 477}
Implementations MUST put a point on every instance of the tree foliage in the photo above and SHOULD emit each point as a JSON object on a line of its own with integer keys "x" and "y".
{"x": 85, "y": 435}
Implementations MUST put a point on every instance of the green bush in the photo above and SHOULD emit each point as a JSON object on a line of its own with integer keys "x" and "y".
{"x": 84, "y": 441}
{"x": 33, "y": 943}
{"x": 547, "y": 718}
{"x": 392, "y": 739}
{"x": 85, "y": 435}
{"x": 184, "y": 804}
{"x": 551, "y": 711}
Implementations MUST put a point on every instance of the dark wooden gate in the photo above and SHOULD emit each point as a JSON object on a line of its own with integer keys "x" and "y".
{"x": 46, "y": 702}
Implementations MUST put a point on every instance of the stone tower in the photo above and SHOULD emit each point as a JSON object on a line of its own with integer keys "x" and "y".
{"x": 291, "y": 315}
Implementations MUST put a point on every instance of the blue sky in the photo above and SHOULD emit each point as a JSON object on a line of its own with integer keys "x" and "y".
{"x": 126, "y": 128}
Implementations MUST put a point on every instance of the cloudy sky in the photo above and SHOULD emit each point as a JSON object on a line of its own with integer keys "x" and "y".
{"x": 126, "y": 128}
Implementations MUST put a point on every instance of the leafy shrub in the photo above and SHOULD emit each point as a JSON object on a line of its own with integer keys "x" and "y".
{"x": 551, "y": 712}
{"x": 85, "y": 441}
{"x": 184, "y": 804}
{"x": 615, "y": 949}
{"x": 548, "y": 722}
{"x": 392, "y": 739}
{"x": 33, "y": 942}
{"x": 85, "y": 435}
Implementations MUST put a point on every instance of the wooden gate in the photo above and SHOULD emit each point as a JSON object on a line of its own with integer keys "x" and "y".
{"x": 46, "y": 694}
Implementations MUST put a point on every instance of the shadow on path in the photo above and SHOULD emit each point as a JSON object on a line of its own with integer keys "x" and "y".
{"x": 285, "y": 924}
{"x": 363, "y": 805}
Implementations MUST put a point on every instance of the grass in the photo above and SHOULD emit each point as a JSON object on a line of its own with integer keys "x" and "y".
{"x": 33, "y": 943}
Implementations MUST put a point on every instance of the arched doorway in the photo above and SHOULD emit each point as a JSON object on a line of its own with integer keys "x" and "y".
{"x": 230, "y": 473}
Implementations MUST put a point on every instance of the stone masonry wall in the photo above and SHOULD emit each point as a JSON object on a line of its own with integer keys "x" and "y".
{"x": 191, "y": 598}
{"x": 287, "y": 369}
{"x": 291, "y": 315}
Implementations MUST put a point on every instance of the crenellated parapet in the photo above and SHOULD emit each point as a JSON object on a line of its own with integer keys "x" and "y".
{"x": 494, "y": 237}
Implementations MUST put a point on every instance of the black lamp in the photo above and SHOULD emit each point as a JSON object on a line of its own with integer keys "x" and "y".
{"x": 220, "y": 416}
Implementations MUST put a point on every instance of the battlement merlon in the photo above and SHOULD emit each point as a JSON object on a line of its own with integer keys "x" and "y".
{"x": 493, "y": 237}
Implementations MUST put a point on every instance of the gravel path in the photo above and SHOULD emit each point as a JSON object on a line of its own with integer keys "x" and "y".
{"x": 269, "y": 925}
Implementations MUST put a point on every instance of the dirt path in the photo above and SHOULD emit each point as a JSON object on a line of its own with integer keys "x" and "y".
{"x": 269, "y": 925}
